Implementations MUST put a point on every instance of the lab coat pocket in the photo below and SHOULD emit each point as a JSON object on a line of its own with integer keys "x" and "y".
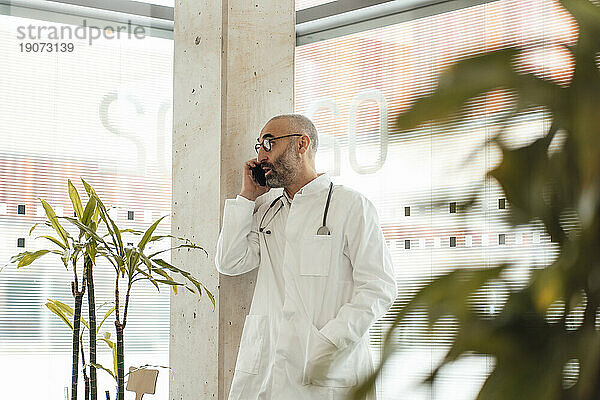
{"x": 326, "y": 365}
{"x": 315, "y": 257}
{"x": 252, "y": 344}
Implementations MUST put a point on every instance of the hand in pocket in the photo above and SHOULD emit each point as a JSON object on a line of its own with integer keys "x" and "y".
{"x": 320, "y": 354}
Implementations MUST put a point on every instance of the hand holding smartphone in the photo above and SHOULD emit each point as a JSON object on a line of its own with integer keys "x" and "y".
{"x": 259, "y": 175}
{"x": 254, "y": 182}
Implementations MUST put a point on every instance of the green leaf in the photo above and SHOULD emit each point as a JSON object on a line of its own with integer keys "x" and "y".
{"x": 166, "y": 276}
{"x": 473, "y": 77}
{"x": 210, "y": 296}
{"x": 587, "y": 14}
{"x": 27, "y": 257}
{"x": 162, "y": 273}
{"x": 147, "y": 277}
{"x": 113, "y": 347}
{"x": 524, "y": 174}
{"x": 66, "y": 257}
{"x": 56, "y": 310}
{"x": 168, "y": 282}
{"x": 75, "y": 199}
{"x": 32, "y": 228}
{"x": 92, "y": 251}
{"x": 191, "y": 290}
{"x": 83, "y": 320}
{"x": 54, "y": 221}
{"x": 113, "y": 229}
{"x": 188, "y": 246}
{"x": 439, "y": 297}
{"x": 99, "y": 366}
{"x": 146, "y": 366}
{"x": 96, "y": 216}
{"x": 96, "y": 210}
{"x": 151, "y": 269}
{"x": 108, "y": 254}
{"x": 90, "y": 209}
{"x": 108, "y": 313}
{"x": 88, "y": 188}
{"x": 199, "y": 286}
{"x": 66, "y": 309}
{"x": 171, "y": 267}
{"x": 134, "y": 231}
{"x": 130, "y": 266}
{"x": 17, "y": 257}
{"x": 147, "y": 235}
{"x": 86, "y": 229}
{"x": 53, "y": 240}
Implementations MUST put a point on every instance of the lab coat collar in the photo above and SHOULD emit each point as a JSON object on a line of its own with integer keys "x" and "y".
{"x": 285, "y": 195}
{"x": 318, "y": 184}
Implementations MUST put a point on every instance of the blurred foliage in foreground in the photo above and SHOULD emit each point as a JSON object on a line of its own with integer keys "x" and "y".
{"x": 530, "y": 348}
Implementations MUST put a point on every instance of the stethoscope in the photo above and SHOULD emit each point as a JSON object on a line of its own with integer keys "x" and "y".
{"x": 323, "y": 230}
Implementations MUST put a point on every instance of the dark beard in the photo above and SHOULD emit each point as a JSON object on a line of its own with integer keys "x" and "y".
{"x": 285, "y": 169}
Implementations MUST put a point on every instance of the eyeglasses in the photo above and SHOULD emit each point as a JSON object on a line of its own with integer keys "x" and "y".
{"x": 266, "y": 143}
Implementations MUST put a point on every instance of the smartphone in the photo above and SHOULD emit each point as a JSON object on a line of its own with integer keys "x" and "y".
{"x": 259, "y": 175}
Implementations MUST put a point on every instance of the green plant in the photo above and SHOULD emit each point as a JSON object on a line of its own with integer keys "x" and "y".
{"x": 541, "y": 184}
{"x": 71, "y": 249}
{"x": 130, "y": 264}
{"x": 133, "y": 265}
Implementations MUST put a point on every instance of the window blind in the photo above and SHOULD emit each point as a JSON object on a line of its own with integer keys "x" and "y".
{"x": 354, "y": 87}
{"x": 303, "y": 4}
{"x": 101, "y": 112}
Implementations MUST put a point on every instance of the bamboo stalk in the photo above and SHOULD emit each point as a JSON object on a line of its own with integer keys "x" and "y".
{"x": 86, "y": 393}
{"x": 120, "y": 356}
{"x": 76, "y": 323}
{"x": 126, "y": 306}
{"x": 92, "y": 322}
{"x": 120, "y": 362}
{"x": 86, "y": 378}
{"x": 120, "y": 348}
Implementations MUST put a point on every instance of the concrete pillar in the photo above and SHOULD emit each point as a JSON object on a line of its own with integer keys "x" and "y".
{"x": 233, "y": 69}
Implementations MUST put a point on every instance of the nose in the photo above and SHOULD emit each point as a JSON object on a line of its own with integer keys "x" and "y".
{"x": 261, "y": 156}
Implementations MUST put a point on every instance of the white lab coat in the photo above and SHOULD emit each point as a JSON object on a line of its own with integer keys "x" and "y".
{"x": 306, "y": 336}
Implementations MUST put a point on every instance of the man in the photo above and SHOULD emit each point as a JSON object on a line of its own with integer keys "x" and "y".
{"x": 325, "y": 274}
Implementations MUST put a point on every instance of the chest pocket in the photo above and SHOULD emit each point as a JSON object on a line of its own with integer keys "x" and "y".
{"x": 315, "y": 257}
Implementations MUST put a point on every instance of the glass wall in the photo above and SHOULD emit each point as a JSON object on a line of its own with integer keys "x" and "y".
{"x": 99, "y": 110}
{"x": 354, "y": 87}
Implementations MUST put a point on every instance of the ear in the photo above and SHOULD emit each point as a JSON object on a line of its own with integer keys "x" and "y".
{"x": 303, "y": 144}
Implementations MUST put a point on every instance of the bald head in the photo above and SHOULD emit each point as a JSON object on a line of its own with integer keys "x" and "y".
{"x": 298, "y": 123}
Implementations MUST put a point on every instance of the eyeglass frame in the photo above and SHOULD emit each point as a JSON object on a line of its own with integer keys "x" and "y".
{"x": 257, "y": 146}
